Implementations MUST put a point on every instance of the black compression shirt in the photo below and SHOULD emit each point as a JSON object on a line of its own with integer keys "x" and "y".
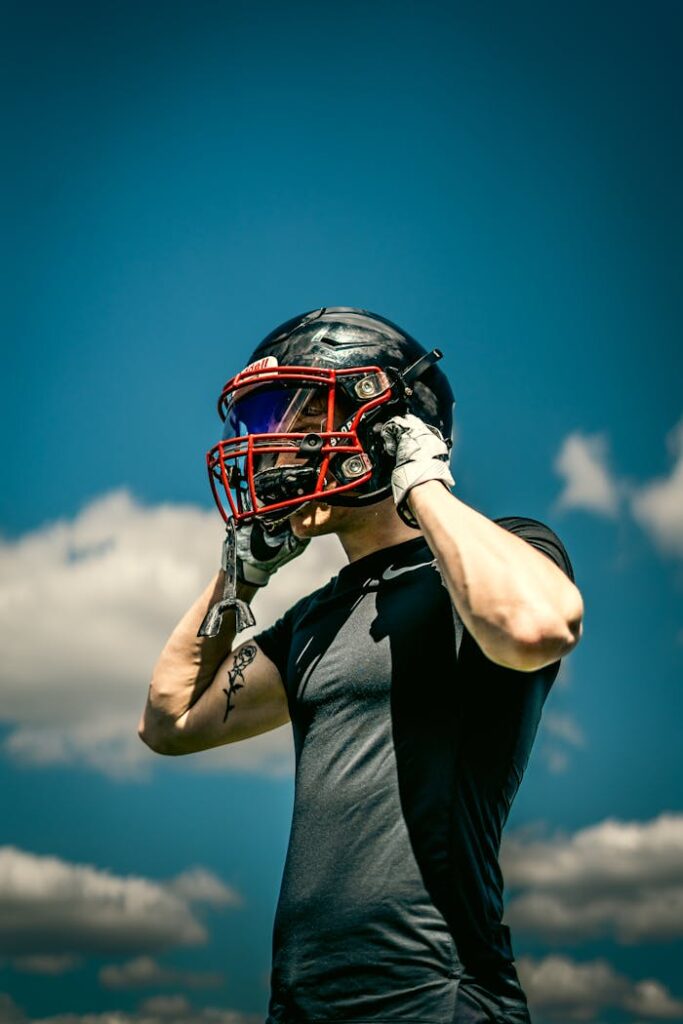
{"x": 410, "y": 745}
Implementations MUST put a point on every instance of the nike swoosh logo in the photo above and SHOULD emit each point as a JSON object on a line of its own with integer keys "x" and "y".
{"x": 390, "y": 573}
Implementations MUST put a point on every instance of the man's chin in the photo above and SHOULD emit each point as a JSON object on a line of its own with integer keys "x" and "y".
{"x": 312, "y": 518}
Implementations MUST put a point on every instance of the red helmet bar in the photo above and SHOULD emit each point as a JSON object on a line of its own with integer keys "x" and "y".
{"x": 305, "y": 374}
{"x": 221, "y": 463}
{"x": 234, "y": 472}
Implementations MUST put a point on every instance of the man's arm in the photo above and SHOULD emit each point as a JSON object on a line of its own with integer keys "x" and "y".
{"x": 203, "y": 693}
{"x": 521, "y": 608}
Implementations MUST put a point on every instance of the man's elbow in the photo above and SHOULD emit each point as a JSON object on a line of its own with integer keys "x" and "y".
{"x": 539, "y": 648}
{"x": 161, "y": 741}
{"x": 535, "y": 648}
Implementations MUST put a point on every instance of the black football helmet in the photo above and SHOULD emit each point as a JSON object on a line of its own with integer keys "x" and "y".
{"x": 302, "y": 420}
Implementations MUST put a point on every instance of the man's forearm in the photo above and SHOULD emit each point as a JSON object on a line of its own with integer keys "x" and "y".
{"x": 188, "y": 663}
{"x": 522, "y": 610}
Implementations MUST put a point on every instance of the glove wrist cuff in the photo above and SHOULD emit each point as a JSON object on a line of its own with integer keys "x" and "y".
{"x": 406, "y": 515}
{"x": 403, "y": 508}
{"x": 407, "y": 476}
{"x": 249, "y": 574}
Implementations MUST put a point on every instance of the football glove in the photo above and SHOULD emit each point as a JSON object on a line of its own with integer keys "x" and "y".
{"x": 421, "y": 454}
{"x": 260, "y": 553}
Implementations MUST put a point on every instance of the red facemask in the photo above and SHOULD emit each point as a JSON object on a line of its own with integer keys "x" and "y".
{"x": 290, "y": 437}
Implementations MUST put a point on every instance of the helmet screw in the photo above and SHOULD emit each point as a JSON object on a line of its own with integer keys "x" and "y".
{"x": 311, "y": 444}
{"x": 408, "y": 392}
{"x": 355, "y": 466}
{"x": 366, "y": 387}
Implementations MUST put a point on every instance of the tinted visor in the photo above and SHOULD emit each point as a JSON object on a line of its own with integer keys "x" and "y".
{"x": 277, "y": 408}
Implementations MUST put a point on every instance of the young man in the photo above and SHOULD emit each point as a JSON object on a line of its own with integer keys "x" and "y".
{"x": 414, "y": 680}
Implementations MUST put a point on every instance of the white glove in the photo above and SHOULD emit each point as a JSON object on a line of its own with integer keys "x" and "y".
{"x": 421, "y": 454}
{"x": 260, "y": 554}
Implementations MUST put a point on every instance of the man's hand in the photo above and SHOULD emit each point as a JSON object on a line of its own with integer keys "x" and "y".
{"x": 421, "y": 454}
{"x": 260, "y": 554}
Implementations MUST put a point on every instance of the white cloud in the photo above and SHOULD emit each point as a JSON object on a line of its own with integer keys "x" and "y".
{"x": 86, "y": 606}
{"x": 658, "y": 505}
{"x": 563, "y": 726}
{"x": 157, "y": 1010}
{"x": 617, "y": 879}
{"x": 653, "y": 998}
{"x": 556, "y": 760}
{"x": 197, "y": 885}
{"x": 588, "y": 481}
{"x": 53, "y": 964}
{"x": 566, "y": 990}
{"x": 144, "y": 971}
{"x": 558, "y": 728}
{"x": 49, "y": 907}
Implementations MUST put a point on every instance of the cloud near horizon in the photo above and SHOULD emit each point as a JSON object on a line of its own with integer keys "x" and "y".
{"x": 145, "y": 971}
{"x": 50, "y": 908}
{"x": 163, "y": 1009}
{"x": 616, "y": 879}
{"x": 561, "y": 989}
{"x": 85, "y": 608}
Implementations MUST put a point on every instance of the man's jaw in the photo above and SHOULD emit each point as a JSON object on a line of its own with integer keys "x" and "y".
{"x": 274, "y": 521}
{"x": 309, "y": 508}
{"x": 311, "y": 517}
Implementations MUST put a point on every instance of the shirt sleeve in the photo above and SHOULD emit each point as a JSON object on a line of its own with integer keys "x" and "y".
{"x": 542, "y": 537}
{"x": 275, "y": 642}
{"x": 534, "y": 686}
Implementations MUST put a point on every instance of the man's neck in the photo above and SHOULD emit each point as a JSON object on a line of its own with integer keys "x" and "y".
{"x": 380, "y": 527}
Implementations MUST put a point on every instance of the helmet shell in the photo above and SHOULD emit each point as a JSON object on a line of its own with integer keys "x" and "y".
{"x": 340, "y": 337}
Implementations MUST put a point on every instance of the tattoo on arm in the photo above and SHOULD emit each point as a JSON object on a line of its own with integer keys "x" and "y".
{"x": 243, "y": 657}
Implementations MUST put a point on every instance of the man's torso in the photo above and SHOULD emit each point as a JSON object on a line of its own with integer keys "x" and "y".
{"x": 410, "y": 746}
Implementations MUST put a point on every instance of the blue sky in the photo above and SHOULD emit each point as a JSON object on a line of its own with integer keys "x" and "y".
{"x": 504, "y": 182}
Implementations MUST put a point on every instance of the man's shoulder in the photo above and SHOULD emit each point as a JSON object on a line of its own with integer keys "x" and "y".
{"x": 307, "y": 601}
{"x": 512, "y": 521}
{"x": 542, "y": 536}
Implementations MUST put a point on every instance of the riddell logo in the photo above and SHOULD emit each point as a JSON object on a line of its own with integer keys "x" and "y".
{"x": 261, "y": 364}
